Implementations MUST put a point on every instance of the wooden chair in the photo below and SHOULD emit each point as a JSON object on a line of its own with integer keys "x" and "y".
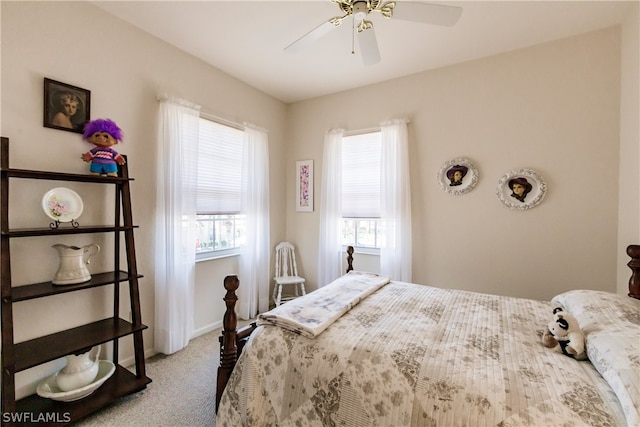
{"x": 286, "y": 273}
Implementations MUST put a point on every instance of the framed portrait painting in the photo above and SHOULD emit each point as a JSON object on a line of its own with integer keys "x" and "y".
{"x": 304, "y": 186}
{"x": 66, "y": 107}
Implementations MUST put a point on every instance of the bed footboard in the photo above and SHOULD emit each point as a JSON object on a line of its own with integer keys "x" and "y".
{"x": 232, "y": 339}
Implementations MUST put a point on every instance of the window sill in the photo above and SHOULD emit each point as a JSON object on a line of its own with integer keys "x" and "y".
{"x": 215, "y": 255}
{"x": 363, "y": 250}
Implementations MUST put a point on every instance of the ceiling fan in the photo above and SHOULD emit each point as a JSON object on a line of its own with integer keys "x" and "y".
{"x": 427, "y": 13}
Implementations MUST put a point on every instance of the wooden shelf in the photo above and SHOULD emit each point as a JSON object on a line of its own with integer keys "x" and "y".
{"x": 61, "y": 176}
{"x": 17, "y": 357}
{"x": 44, "y": 289}
{"x": 55, "y": 413}
{"x": 50, "y": 347}
{"x": 34, "y": 232}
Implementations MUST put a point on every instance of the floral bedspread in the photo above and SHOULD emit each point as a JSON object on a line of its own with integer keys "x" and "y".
{"x": 414, "y": 355}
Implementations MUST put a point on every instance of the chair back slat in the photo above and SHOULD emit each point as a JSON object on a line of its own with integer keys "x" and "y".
{"x": 286, "y": 260}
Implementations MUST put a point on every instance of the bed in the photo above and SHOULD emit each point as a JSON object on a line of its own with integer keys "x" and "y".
{"x": 365, "y": 351}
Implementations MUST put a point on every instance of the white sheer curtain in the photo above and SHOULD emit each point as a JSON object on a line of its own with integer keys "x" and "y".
{"x": 253, "y": 294}
{"x": 329, "y": 247}
{"x": 175, "y": 228}
{"x": 395, "y": 202}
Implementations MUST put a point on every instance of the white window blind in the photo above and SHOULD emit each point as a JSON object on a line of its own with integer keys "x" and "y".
{"x": 361, "y": 170}
{"x": 219, "y": 168}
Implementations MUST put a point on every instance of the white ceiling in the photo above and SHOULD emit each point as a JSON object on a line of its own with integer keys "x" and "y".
{"x": 246, "y": 38}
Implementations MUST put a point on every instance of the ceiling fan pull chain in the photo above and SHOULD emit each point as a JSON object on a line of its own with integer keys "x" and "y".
{"x": 353, "y": 35}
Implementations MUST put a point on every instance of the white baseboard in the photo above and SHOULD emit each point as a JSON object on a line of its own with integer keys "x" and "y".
{"x": 130, "y": 361}
{"x": 206, "y": 329}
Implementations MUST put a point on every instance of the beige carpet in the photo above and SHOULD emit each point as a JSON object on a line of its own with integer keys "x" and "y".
{"x": 182, "y": 392}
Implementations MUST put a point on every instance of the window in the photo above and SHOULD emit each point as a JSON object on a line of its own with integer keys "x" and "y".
{"x": 362, "y": 233}
{"x": 361, "y": 166}
{"x": 221, "y": 227}
{"x": 220, "y": 233}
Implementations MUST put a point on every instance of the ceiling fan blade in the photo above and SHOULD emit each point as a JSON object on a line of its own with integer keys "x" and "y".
{"x": 427, "y": 13}
{"x": 314, "y": 35}
{"x": 368, "y": 46}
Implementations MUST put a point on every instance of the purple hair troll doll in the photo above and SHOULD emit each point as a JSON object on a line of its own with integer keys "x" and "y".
{"x": 103, "y": 133}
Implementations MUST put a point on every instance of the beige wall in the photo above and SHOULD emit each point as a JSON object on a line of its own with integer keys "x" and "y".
{"x": 125, "y": 69}
{"x": 629, "y": 190}
{"x": 553, "y": 108}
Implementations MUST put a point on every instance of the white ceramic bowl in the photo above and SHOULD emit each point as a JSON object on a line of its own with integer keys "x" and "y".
{"x": 49, "y": 389}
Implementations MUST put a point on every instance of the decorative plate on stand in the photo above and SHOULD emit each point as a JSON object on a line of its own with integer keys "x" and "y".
{"x": 458, "y": 176}
{"x": 521, "y": 189}
{"x": 62, "y": 205}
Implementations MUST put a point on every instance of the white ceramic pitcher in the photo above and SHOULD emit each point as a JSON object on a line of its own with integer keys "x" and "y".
{"x": 80, "y": 370}
{"x": 73, "y": 263}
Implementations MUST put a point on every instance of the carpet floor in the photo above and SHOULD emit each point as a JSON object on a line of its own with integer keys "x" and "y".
{"x": 182, "y": 391}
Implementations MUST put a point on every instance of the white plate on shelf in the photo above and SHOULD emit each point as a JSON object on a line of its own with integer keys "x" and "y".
{"x": 62, "y": 204}
{"x": 49, "y": 389}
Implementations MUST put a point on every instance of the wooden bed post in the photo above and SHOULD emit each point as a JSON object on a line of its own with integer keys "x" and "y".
{"x": 228, "y": 349}
{"x": 233, "y": 339}
{"x": 349, "y": 258}
{"x": 634, "y": 282}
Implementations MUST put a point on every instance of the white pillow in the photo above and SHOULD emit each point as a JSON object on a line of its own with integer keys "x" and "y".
{"x": 611, "y": 323}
